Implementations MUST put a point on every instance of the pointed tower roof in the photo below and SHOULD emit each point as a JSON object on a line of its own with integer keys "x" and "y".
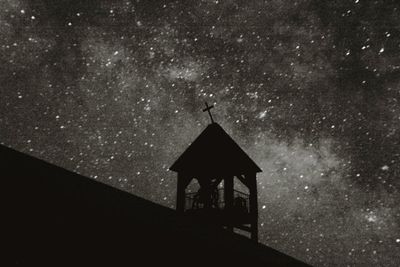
{"x": 214, "y": 152}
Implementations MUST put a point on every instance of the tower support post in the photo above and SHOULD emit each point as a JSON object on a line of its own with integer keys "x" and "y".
{"x": 180, "y": 194}
{"x": 228, "y": 199}
{"x": 252, "y": 182}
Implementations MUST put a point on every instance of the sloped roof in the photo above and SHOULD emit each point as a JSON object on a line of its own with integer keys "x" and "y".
{"x": 214, "y": 152}
{"x": 56, "y": 217}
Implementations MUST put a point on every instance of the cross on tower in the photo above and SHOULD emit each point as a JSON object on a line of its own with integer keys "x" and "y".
{"x": 208, "y": 110}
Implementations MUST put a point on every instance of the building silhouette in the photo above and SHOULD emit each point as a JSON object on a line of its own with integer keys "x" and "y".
{"x": 54, "y": 217}
{"x": 214, "y": 160}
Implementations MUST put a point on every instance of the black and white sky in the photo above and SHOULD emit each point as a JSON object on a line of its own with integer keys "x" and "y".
{"x": 310, "y": 89}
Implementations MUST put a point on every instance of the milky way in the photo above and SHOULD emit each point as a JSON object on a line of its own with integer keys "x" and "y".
{"x": 310, "y": 89}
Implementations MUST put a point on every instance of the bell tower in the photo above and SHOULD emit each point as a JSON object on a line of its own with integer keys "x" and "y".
{"x": 217, "y": 162}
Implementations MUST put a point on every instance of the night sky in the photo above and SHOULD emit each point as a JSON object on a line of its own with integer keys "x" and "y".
{"x": 310, "y": 89}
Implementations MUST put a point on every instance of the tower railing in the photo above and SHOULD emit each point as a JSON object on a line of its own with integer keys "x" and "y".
{"x": 240, "y": 201}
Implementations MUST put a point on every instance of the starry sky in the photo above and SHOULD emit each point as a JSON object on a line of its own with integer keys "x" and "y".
{"x": 309, "y": 89}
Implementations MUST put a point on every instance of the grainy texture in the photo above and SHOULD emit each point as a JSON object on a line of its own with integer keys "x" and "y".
{"x": 309, "y": 89}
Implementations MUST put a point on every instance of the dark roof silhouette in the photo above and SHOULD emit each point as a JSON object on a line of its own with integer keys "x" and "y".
{"x": 54, "y": 217}
{"x": 216, "y": 152}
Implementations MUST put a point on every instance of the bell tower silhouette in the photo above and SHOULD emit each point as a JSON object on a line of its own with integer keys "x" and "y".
{"x": 211, "y": 159}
